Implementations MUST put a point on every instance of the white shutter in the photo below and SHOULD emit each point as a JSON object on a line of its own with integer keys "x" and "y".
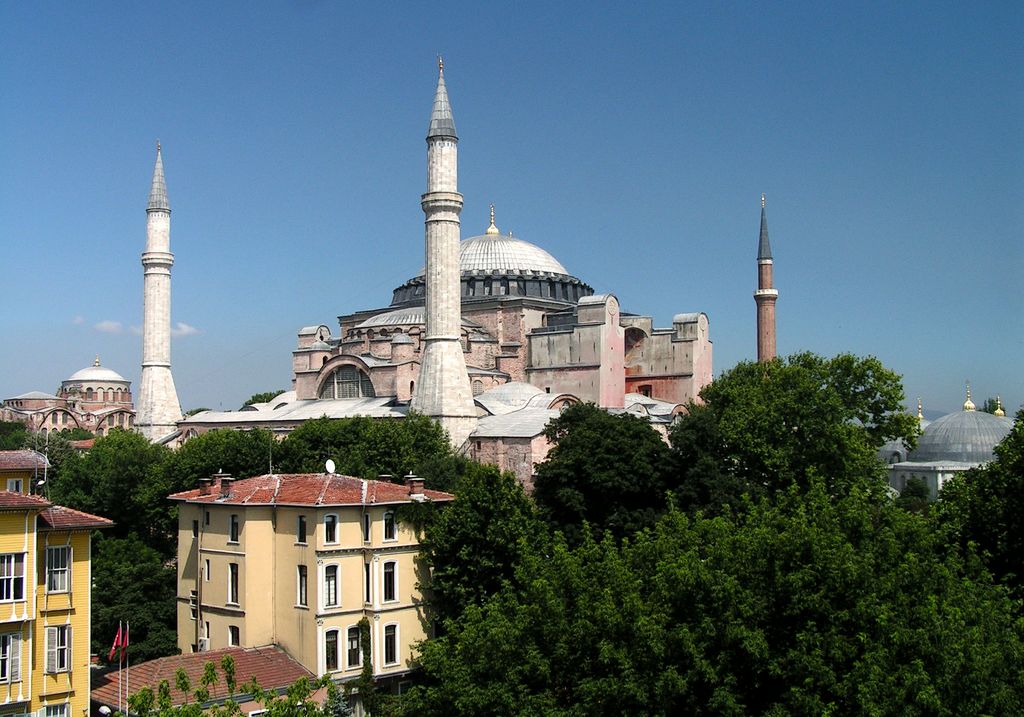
{"x": 51, "y": 650}
{"x": 15, "y": 658}
{"x": 67, "y": 653}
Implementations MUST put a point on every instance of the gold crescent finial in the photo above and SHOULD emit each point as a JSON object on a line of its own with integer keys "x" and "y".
{"x": 158, "y": 145}
{"x": 920, "y": 410}
{"x": 492, "y": 229}
{"x": 440, "y": 64}
{"x": 97, "y": 361}
{"x": 762, "y": 200}
{"x": 999, "y": 407}
{"x": 969, "y": 404}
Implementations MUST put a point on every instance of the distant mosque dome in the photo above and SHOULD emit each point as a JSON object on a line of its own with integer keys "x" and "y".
{"x": 966, "y": 436}
{"x": 96, "y": 373}
{"x": 496, "y": 265}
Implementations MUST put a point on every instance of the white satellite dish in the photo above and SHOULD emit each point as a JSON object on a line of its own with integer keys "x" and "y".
{"x": 329, "y": 465}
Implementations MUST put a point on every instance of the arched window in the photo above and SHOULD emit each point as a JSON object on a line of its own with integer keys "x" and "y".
{"x": 347, "y": 382}
{"x": 331, "y": 650}
{"x": 478, "y": 387}
{"x": 89, "y": 394}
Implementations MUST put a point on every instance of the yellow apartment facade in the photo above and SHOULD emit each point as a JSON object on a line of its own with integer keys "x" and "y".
{"x": 45, "y": 584}
{"x": 297, "y": 561}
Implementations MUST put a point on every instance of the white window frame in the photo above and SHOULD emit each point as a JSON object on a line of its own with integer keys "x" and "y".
{"x": 206, "y": 570}
{"x": 332, "y": 588}
{"x": 331, "y": 525}
{"x": 10, "y": 658}
{"x": 337, "y": 650}
{"x": 394, "y": 581}
{"x": 59, "y": 710}
{"x": 384, "y": 651}
{"x": 349, "y": 664}
{"x": 389, "y": 522}
{"x": 58, "y": 579}
{"x": 301, "y": 586}
{"x": 12, "y": 582}
{"x": 58, "y": 649}
{"x": 232, "y": 640}
{"x": 234, "y": 578}
{"x": 14, "y": 485}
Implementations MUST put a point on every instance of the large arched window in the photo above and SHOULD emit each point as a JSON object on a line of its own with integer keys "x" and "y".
{"x": 347, "y": 382}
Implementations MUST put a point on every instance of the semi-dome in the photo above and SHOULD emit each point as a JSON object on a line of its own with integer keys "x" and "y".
{"x": 97, "y": 373}
{"x": 964, "y": 436}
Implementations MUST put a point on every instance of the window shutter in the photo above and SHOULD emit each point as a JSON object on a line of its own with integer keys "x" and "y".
{"x": 51, "y": 650}
{"x": 67, "y": 575}
{"x": 15, "y": 658}
{"x": 67, "y": 653}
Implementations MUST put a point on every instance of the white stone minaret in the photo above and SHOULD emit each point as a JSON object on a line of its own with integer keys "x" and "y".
{"x": 158, "y": 409}
{"x": 443, "y": 389}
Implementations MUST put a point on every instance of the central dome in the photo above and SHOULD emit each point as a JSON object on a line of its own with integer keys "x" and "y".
{"x": 498, "y": 254}
{"x": 965, "y": 436}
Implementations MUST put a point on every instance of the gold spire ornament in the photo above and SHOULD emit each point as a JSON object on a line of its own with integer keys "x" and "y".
{"x": 969, "y": 404}
{"x": 762, "y": 200}
{"x": 920, "y": 411}
{"x": 492, "y": 229}
{"x": 999, "y": 407}
{"x": 96, "y": 362}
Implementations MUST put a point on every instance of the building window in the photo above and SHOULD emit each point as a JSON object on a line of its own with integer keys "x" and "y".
{"x": 347, "y": 382}
{"x": 301, "y": 598}
{"x": 390, "y": 644}
{"x": 389, "y": 526}
{"x": 14, "y": 485}
{"x": 478, "y": 387}
{"x": 58, "y": 568}
{"x": 12, "y": 577}
{"x": 10, "y": 658}
{"x": 60, "y": 710}
{"x": 195, "y": 528}
{"x": 331, "y": 586}
{"x": 366, "y": 581}
{"x": 234, "y": 636}
{"x": 366, "y": 527}
{"x": 331, "y": 529}
{"x": 193, "y": 604}
{"x": 300, "y": 530}
{"x": 206, "y": 570}
{"x": 355, "y": 654}
{"x": 389, "y": 581}
{"x": 331, "y": 650}
{"x": 233, "y": 535}
{"x": 206, "y": 517}
{"x": 233, "y": 583}
{"x": 58, "y": 649}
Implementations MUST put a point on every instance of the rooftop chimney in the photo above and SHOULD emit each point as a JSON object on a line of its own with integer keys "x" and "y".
{"x": 204, "y": 486}
{"x": 415, "y": 484}
{"x": 222, "y": 483}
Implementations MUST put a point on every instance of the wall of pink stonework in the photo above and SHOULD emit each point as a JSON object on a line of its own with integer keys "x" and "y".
{"x": 519, "y": 456}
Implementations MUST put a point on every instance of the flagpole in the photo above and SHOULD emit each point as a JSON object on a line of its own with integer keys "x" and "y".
{"x": 117, "y": 640}
{"x": 127, "y": 662}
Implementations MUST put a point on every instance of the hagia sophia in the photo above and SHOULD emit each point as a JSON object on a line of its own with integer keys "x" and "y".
{"x": 491, "y": 338}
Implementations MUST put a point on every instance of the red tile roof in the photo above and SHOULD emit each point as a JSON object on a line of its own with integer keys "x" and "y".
{"x": 84, "y": 444}
{"x": 58, "y": 517}
{"x": 270, "y": 665}
{"x": 20, "y": 501}
{"x": 25, "y": 460}
{"x": 325, "y": 489}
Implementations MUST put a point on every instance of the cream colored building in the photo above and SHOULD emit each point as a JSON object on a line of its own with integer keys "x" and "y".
{"x": 45, "y": 584}
{"x": 297, "y": 561}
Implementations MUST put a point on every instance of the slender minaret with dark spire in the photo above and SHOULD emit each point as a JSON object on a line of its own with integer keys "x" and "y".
{"x": 766, "y": 294}
{"x": 443, "y": 390}
{"x": 158, "y": 410}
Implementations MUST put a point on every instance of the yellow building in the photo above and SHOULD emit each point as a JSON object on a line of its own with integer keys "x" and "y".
{"x": 298, "y": 561}
{"x": 45, "y": 581}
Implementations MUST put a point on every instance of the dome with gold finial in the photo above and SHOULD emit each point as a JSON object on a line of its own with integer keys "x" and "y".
{"x": 969, "y": 404}
{"x": 967, "y": 436}
{"x": 999, "y": 407}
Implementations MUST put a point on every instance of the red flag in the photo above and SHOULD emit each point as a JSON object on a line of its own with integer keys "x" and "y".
{"x": 124, "y": 642}
{"x": 117, "y": 644}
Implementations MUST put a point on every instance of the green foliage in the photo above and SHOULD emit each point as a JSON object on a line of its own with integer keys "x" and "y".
{"x": 476, "y": 543}
{"x": 262, "y": 397}
{"x": 239, "y": 453}
{"x": 984, "y": 509}
{"x": 915, "y": 496}
{"x": 363, "y": 447}
{"x": 611, "y": 471}
{"x": 132, "y": 582}
{"x": 77, "y": 434}
{"x": 809, "y": 604}
{"x": 374, "y": 702}
{"x": 194, "y": 411}
{"x": 13, "y": 435}
{"x": 989, "y": 405}
{"x": 765, "y": 426}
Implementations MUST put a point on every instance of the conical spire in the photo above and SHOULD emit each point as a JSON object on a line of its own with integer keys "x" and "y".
{"x": 158, "y": 192}
{"x": 442, "y": 123}
{"x": 764, "y": 249}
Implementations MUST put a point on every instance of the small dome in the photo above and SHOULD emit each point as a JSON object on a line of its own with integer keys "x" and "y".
{"x": 410, "y": 316}
{"x": 966, "y": 436}
{"x": 97, "y": 373}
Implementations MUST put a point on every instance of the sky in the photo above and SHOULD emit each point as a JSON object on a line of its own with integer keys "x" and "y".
{"x": 631, "y": 141}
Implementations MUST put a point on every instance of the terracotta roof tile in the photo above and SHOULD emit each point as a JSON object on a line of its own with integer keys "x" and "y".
{"x": 58, "y": 517}
{"x": 270, "y": 665}
{"x": 306, "y": 489}
{"x": 26, "y": 460}
{"x": 20, "y": 501}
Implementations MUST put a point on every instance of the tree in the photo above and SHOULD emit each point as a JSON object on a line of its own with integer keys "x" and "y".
{"x": 806, "y": 604}
{"x": 475, "y": 544}
{"x": 133, "y": 582}
{"x": 984, "y": 508}
{"x": 242, "y": 454}
{"x": 265, "y": 397}
{"x": 13, "y": 435}
{"x": 989, "y": 405}
{"x": 611, "y": 471}
{"x": 762, "y": 427}
{"x": 364, "y": 447}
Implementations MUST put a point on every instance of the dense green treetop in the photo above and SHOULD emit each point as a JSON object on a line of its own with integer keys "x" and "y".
{"x": 611, "y": 471}
{"x": 13, "y": 435}
{"x": 241, "y": 454}
{"x": 363, "y": 447}
{"x": 264, "y": 397}
{"x": 764, "y": 426}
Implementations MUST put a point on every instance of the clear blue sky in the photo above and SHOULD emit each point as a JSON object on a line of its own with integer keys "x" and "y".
{"x": 632, "y": 141}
